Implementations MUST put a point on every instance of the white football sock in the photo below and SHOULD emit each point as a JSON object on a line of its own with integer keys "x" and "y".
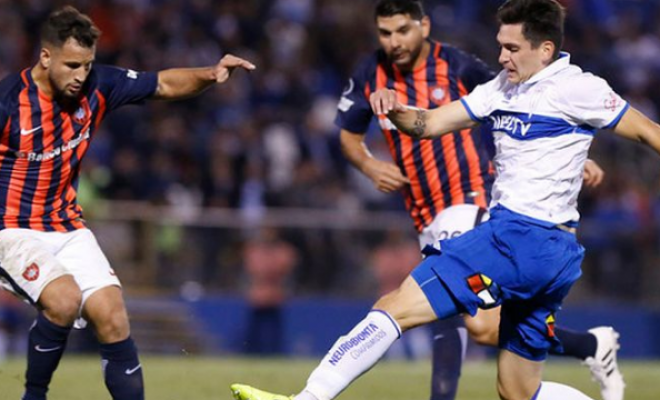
{"x": 554, "y": 391}
{"x": 351, "y": 356}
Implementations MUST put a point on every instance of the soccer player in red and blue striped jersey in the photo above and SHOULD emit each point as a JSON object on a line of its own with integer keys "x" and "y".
{"x": 446, "y": 181}
{"x": 48, "y": 115}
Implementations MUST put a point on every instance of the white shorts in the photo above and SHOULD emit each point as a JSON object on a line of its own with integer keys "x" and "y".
{"x": 30, "y": 259}
{"x": 451, "y": 222}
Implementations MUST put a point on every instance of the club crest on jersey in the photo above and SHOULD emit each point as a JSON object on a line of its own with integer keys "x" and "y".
{"x": 82, "y": 114}
{"x": 612, "y": 102}
{"x": 31, "y": 273}
{"x": 487, "y": 290}
{"x": 437, "y": 95}
{"x": 79, "y": 115}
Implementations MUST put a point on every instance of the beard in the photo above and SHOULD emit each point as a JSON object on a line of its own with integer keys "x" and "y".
{"x": 410, "y": 59}
{"x": 68, "y": 102}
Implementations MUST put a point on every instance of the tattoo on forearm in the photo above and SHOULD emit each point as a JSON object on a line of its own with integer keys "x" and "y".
{"x": 420, "y": 124}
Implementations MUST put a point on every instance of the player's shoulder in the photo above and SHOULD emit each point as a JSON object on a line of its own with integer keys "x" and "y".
{"x": 574, "y": 77}
{"x": 454, "y": 53}
{"x": 369, "y": 64}
{"x": 10, "y": 85}
{"x": 103, "y": 72}
{"x": 500, "y": 83}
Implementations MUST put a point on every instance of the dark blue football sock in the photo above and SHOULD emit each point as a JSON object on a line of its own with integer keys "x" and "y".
{"x": 46, "y": 344}
{"x": 577, "y": 344}
{"x": 447, "y": 358}
{"x": 122, "y": 370}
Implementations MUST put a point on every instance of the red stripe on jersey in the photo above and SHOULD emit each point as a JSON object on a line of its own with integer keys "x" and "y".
{"x": 426, "y": 146}
{"x": 75, "y": 211}
{"x": 65, "y": 176}
{"x": 476, "y": 180}
{"x": 381, "y": 82}
{"x": 421, "y": 215}
{"x": 452, "y": 166}
{"x": 66, "y": 187}
{"x": 101, "y": 112}
{"x": 4, "y": 149}
{"x": 46, "y": 167}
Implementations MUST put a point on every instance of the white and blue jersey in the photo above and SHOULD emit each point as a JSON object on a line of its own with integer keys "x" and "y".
{"x": 543, "y": 129}
{"x": 520, "y": 258}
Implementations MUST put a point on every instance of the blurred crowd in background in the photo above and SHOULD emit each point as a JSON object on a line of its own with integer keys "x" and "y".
{"x": 267, "y": 139}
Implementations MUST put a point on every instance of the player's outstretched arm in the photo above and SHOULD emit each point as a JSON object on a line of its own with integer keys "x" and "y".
{"x": 179, "y": 83}
{"x": 636, "y": 126}
{"x": 420, "y": 123}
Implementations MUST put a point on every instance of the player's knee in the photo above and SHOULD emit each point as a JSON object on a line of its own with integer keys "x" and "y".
{"x": 504, "y": 393}
{"x": 407, "y": 305}
{"x": 113, "y": 326}
{"x": 391, "y": 305}
{"x": 64, "y": 308}
{"x": 484, "y": 335}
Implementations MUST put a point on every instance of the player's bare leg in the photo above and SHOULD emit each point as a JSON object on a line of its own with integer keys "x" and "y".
{"x": 597, "y": 348}
{"x": 60, "y": 304}
{"x": 520, "y": 379}
{"x": 484, "y": 326}
{"x": 106, "y": 311}
{"x": 517, "y": 377}
{"x": 359, "y": 350}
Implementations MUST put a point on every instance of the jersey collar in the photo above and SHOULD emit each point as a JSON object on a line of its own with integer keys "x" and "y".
{"x": 563, "y": 62}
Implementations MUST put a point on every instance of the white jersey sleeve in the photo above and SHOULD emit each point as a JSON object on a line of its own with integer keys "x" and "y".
{"x": 481, "y": 102}
{"x": 592, "y": 102}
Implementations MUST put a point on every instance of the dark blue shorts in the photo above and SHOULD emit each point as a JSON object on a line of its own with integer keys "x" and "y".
{"x": 525, "y": 265}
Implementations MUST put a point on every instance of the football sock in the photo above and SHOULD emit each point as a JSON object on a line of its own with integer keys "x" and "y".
{"x": 576, "y": 344}
{"x": 449, "y": 343}
{"x": 46, "y": 343}
{"x": 122, "y": 370}
{"x": 351, "y": 356}
{"x": 554, "y": 391}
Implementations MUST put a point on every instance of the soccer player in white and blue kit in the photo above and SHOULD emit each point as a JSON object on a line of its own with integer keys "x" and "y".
{"x": 544, "y": 113}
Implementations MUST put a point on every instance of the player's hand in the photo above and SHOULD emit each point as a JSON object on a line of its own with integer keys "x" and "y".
{"x": 387, "y": 177}
{"x": 593, "y": 174}
{"x": 228, "y": 64}
{"x": 383, "y": 101}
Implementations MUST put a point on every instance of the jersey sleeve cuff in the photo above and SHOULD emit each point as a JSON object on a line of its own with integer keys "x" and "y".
{"x": 469, "y": 110}
{"x": 618, "y": 117}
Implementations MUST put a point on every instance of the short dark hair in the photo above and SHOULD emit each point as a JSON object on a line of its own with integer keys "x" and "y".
{"x": 542, "y": 20}
{"x": 67, "y": 22}
{"x": 388, "y": 8}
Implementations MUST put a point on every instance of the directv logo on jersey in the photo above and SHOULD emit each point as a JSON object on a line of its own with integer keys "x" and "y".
{"x": 359, "y": 343}
{"x": 510, "y": 124}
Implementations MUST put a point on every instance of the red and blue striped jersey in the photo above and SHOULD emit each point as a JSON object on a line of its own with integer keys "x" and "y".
{"x": 452, "y": 169}
{"x": 43, "y": 143}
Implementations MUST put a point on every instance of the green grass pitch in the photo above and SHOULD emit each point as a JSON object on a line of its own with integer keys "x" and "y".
{"x": 202, "y": 378}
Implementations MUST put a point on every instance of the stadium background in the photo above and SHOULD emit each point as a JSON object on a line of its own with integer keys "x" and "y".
{"x": 237, "y": 209}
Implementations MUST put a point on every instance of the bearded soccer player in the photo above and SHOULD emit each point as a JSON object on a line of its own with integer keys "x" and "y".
{"x": 446, "y": 181}
{"x": 48, "y": 116}
{"x": 526, "y": 257}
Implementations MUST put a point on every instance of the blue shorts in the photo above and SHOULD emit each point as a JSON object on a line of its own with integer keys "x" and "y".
{"x": 525, "y": 265}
